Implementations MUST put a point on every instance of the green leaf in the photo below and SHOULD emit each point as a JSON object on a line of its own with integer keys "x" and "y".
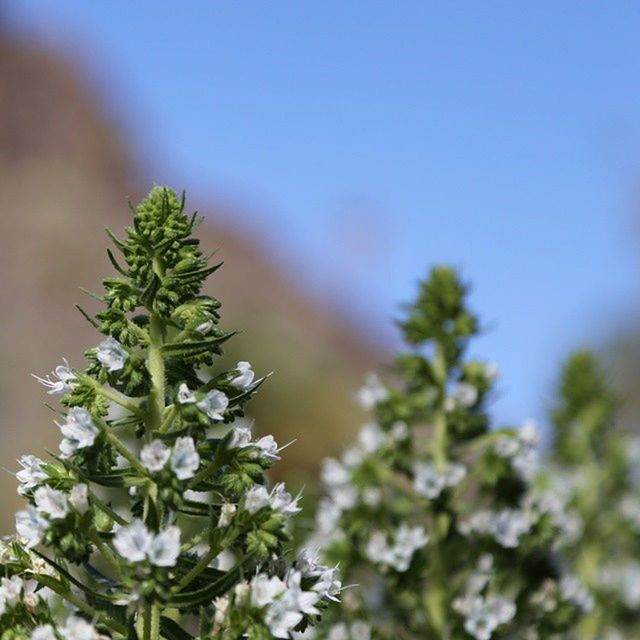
{"x": 186, "y": 349}
{"x": 171, "y": 630}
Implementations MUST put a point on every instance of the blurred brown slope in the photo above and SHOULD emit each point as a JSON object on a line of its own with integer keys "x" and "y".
{"x": 65, "y": 172}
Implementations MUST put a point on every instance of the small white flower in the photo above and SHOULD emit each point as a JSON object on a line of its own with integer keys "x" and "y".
{"x": 155, "y": 455}
{"x": 165, "y": 548}
{"x": 427, "y": 481}
{"x": 281, "y": 619}
{"x": 282, "y": 501}
{"x": 111, "y": 354}
{"x": 51, "y": 502}
{"x": 573, "y": 590}
{"x": 31, "y": 474}
{"x": 43, "y": 632}
{"x": 240, "y": 438}
{"x": 334, "y": 473}
{"x": 185, "y": 460}
{"x": 31, "y": 526}
{"x": 185, "y": 395}
{"x": 227, "y": 511}
{"x": 133, "y": 541}
{"x": 79, "y": 431}
{"x": 399, "y": 431}
{"x": 256, "y": 498}
{"x": 64, "y": 382}
{"x": 79, "y": 497}
{"x": 268, "y": 447}
{"x": 371, "y": 438}
{"x": 329, "y": 584}
{"x": 372, "y": 392}
{"x": 76, "y": 628}
{"x": 297, "y": 599}
{"x": 214, "y": 404}
{"x": 465, "y": 395}
{"x": 11, "y": 590}
{"x": 244, "y": 378}
{"x": 508, "y": 525}
{"x": 264, "y": 590}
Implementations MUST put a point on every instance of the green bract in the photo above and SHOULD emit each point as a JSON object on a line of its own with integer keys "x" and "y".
{"x": 153, "y": 520}
{"x": 435, "y": 516}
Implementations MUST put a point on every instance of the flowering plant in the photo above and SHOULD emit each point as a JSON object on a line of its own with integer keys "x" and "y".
{"x": 433, "y": 514}
{"x": 595, "y": 471}
{"x": 154, "y": 519}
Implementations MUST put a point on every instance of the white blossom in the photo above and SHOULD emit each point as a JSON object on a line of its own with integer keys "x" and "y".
{"x": 256, "y": 498}
{"x": 51, "y": 502}
{"x": 165, "y": 547}
{"x": 111, "y": 354}
{"x": 133, "y": 541}
{"x": 371, "y": 437}
{"x": 268, "y": 447}
{"x": 185, "y": 460}
{"x": 227, "y": 511}
{"x": 11, "y": 590}
{"x": 185, "y": 395}
{"x": 43, "y": 632}
{"x": 372, "y": 392}
{"x": 62, "y": 381}
{"x": 508, "y": 525}
{"x": 574, "y": 591}
{"x": 31, "y": 526}
{"x": 265, "y": 589}
{"x": 76, "y": 628}
{"x": 244, "y": 378}
{"x": 282, "y": 501}
{"x": 427, "y": 481}
{"x": 31, "y": 474}
{"x": 214, "y": 404}
{"x": 155, "y": 455}
{"x": 79, "y": 497}
{"x": 79, "y": 431}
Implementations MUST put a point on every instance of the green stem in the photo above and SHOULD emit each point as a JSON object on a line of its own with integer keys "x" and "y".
{"x": 109, "y": 511}
{"x": 198, "y": 569}
{"x": 121, "y": 447}
{"x": 168, "y": 418}
{"x": 120, "y": 400}
{"x": 105, "y": 551}
{"x": 155, "y": 365}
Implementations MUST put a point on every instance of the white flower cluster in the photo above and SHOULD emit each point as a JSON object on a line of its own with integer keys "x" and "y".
{"x": 79, "y": 431}
{"x": 14, "y": 590}
{"x": 506, "y": 526}
{"x": 279, "y": 499}
{"x": 521, "y": 450}
{"x": 429, "y": 482}
{"x": 73, "y": 628}
{"x": 284, "y": 603}
{"x": 397, "y": 555}
{"x": 136, "y": 543}
{"x": 50, "y": 504}
{"x": 483, "y": 614}
{"x": 185, "y": 460}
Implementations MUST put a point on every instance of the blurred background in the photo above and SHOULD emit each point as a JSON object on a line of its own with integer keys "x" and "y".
{"x": 337, "y": 151}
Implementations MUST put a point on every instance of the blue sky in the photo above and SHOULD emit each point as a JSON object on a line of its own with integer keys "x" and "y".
{"x": 366, "y": 141}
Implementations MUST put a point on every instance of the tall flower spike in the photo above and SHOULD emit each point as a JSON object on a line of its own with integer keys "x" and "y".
{"x": 149, "y": 524}
{"x": 431, "y": 511}
{"x": 595, "y": 474}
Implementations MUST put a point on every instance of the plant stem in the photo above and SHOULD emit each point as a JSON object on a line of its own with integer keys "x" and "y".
{"x": 155, "y": 365}
{"x": 105, "y": 551}
{"x": 121, "y": 447}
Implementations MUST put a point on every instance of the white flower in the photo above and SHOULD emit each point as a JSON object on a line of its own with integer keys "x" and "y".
{"x": 282, "y": 501}
{"x": 79, "y": 497}
{"x": 165, "y": 548}
{"x": 240, "y": 438}
{"x": 31, "y": 526}
{"x": 31, "y": 474}
{"x": 264, "y": 590}
{"x": 11, "y": 589}
{"x": 43, "y": 632}
{"x": 572, "y": 590}
{"x": 244, "y": 378}
{"x": 79, "y": 431}
{"x": 281, "y": 620}
{"x": 508, "y": 525}
{"x": 399, "y": 431}
{"x": 464, "y": 395}
{"x": 334, "y": 473}
{"x": 360, "y": 631}
{"x": 214, "y": 404}
{"x": 427, "y": 481}
{"x": 51, "y": 502}
{"x": 298, "y": 600}
{"x": 329, "y": 584}
{"x": 256, "y": 498}
{"x": 268, "y": 447}
{"x": 76, "y": 628}
{"x": 227, "y": 511}
{"x": 133, "y": 541}
{"x": 64, "y": 382}
{"x": 407, "y": 541}
{"x": 371, "y": 437}
{"x": 454, "y": 474}
{"x": 185, "y": 396}
{"x": 154, "y": 456}
{"x": 185, "y": 460}
{"x": 111, "y": 354}
{"x": 372, "y": 392}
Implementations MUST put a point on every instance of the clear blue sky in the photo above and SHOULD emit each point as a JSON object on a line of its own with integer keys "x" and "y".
{"x": 368, "y": 140}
